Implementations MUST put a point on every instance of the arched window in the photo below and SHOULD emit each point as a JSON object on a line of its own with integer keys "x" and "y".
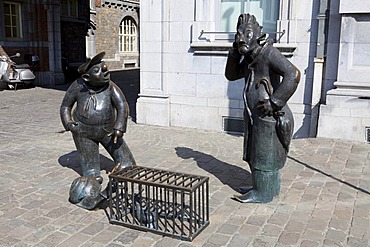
{"x": 128, "y": 35}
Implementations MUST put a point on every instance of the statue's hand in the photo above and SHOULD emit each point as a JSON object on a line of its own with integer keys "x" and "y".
{"x": 265, "y": 107}
{"x": 116, "y": 135}
{"x": 72, "y": 126}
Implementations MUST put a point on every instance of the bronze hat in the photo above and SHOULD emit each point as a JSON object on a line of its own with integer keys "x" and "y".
{"x": 90, "y": 62}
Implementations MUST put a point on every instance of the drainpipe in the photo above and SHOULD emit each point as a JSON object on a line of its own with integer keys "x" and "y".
{"x": 90, "y": 37}
{"x": 319, "y": 65}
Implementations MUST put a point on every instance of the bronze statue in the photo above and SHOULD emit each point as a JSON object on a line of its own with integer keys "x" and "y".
{"x": 100, "y": 116}
{"x": 267, "y": 118}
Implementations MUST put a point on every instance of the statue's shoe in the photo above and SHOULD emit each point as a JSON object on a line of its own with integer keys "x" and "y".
{"x": 119, "y": 168}
{"x": 245, "y": 189}
{"x": 252, "y": 196}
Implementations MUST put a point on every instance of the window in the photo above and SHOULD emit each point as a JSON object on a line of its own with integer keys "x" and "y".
{"x": 266, "y": 12}
{"x": 12, "y": 20}
{"x": 127, "y": 35}
{"x": 69, "y": 8}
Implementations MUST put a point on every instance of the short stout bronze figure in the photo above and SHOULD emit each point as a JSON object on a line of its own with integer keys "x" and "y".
{"x": 100, "y": 116}
{"x": 270, "y": 80}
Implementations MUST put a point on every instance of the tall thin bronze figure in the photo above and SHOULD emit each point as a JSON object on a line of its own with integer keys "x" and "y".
{"x": 270, "y": 80}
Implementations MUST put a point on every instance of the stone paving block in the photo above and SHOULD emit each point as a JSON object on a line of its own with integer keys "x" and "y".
{"x": 239, "y": 240}
{"x": 58, "y": 212}
{"x": 249, "y": 230}
{"x": 302, "y": 216}
{"x": 355, "y": 242}
{"x": 145, "y": 242}
{"x": 10, "y": 241}
{"x": 54, "y": 239}
{"x": 289, "y": 238}
{"x": 228, "y": 229}
{"x": 295, "y": 226}
{"x": 219, "y": 239}
{"x": 358, "y": 232}
{"x": 75, "y": 240}
{"x": 278, "y": 219}
{"x": 166, "y": 241}
{"x": 38, "y": 222}
{"x": 257, "y": 220}
{"x": 340, "y": 224}
{"x": 127, "y": 237}
{"x": 236, "y": 220}
{"x": 93, "y": 229}
{"x": 33, "y": 204}
{"x": 94, "y": 244}
{"x": 315, "y": 235}
{"x": 360, "y": 222}
{"x": 299, "y": 185}
{"x": 361, "y": 211}
{"x": 40, "y": 234}
{"x": 21, "y": 232}
{"x": 105, "y": 237}
{"x": 309, "y": 243}
{"x": 71, "y": 228}
{"x": 317, "y": 224}
{"x": 261, "y": 242}
{"x": 271, "y": 230}
{"x": 336, "y": 235}
{"x": 14, "y": 213}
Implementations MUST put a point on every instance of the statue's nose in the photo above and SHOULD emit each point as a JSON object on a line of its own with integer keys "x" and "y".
{"x": 241, "y": 39}
{"x": 104, "y": 67}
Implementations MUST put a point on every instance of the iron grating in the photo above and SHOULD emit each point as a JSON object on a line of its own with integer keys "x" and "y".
{"x": 367, "y": 134}
{"x": 233, "y": 125}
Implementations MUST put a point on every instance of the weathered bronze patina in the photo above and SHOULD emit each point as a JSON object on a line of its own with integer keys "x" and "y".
{"x": 100, "y": 116}
{"x": 270, "y": 80}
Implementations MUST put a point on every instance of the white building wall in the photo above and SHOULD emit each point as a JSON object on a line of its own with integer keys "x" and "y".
{"x": 182, "y": 71}
{"x": 346, "y": 113}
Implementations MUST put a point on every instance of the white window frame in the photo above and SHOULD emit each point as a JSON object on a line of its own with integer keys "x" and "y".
{"x": 18, "y": 19}
{"x": 69, "y": 8}
{"x": 207, "y": 27}
{"x": 128, "y": 35}
{"x": 268, "y": 18}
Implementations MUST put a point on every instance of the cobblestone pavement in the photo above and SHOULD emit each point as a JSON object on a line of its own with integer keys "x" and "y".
{"x": 324, "y": 200}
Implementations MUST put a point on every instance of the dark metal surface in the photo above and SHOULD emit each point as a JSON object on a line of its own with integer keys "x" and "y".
{"x": 270, "y": 80}
{"x": 99, "y": 117}
{"x": 163, "y": 202}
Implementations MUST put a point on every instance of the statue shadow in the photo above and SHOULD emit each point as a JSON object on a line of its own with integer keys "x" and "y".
{"x": 231, "y": 175}
{"x": 72, "y": 161}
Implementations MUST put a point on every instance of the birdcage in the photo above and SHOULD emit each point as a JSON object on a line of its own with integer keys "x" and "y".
{"x": 164, "y": 202}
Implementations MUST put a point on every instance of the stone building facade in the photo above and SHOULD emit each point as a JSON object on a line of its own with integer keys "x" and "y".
{"x": 346, "y": 112}
{"x": 110, "y": 17}
{"x": 50, "y": 29}
{"x": 184, "y": 46}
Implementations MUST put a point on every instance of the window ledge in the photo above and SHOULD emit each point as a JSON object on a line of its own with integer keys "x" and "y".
{"x": 210, "y": 48}
{"x": 222, "y": 48}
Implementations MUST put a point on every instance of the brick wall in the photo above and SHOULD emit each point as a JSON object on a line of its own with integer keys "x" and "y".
{"x": 108, "y": 19}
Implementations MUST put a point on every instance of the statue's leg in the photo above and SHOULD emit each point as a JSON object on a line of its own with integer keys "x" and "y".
{"x": 89, "y": 156}
{"x": 266, "y": 186}
{"x": 245, "y": 189}
{"x": 120, "y": 152}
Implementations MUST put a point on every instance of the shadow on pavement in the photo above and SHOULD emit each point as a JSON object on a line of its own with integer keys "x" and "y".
{"x": 72, "y": 161}
{"x": 233, "y": 176}
{"x": 330, "y": 176}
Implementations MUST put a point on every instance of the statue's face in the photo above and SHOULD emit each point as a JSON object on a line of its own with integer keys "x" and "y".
{"x": 246, "y": 38}
{"x": 98, "y": 75}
